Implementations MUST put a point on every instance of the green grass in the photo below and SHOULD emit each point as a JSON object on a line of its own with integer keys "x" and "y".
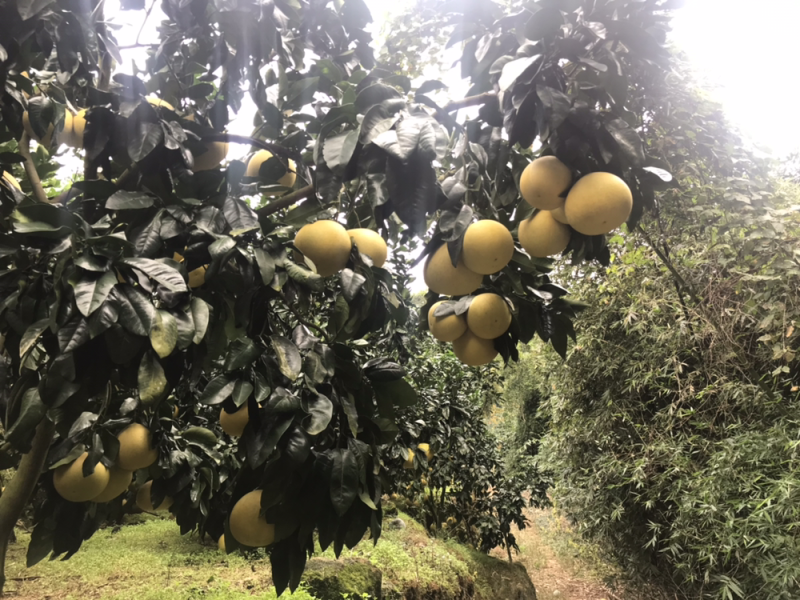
{"x": 150, "y": 560}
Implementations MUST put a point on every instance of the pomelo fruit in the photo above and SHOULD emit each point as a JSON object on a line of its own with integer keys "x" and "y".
{"x": 543, "y": 181}
{"x": 542, "y": 235}
{"x": 370, "y": 243}
{"x": 210, "y": 159}
{"x": 73, "y": 486}
{"x": 559, "y": 215}
{"x": 246, "y": 523}
{"x": 119, "y": 481}
{"x": 488, "y": 316}
{"x": 75, "y": 137}
{"x": 474, "y": 351}
{"x": 136, "y": 448}
{"x": 144, "y": 501}
{"x": 260, "y": 157}
{"x": 598, "y": 203}
{"x": 488, "y": 247}
{"x": 327, "y": 244}
{"x": 234, "y": 423}
{"x": 443, "y": 278}
{"x": 409, "y": 462}
{"x": 447, "y": 328}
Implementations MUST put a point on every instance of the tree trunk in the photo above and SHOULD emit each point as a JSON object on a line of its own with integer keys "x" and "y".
{"x": 19, "y": 489}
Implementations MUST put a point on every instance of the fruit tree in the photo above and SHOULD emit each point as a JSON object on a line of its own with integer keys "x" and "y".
{"x": 168, "y": 295}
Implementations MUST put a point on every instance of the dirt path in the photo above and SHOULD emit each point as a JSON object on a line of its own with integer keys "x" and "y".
{"x": 558, "y": 565}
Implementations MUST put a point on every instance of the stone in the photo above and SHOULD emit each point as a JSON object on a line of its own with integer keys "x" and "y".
{"x": 396, "y": 524}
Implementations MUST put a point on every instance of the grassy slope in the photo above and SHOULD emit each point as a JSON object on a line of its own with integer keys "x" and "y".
{"x": 151, "y": 561}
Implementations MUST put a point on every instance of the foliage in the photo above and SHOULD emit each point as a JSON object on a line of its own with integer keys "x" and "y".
{"x": 146, "y": 285}
{"x": 673, "y": 423}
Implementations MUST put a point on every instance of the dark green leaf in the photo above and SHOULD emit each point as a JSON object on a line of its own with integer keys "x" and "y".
{"x": 320, "y": 412}
{"x": 123, "y": 200}
{"x": 344, "y": 479}
{"x": 288, "y": 356}
{"x": 92, "y": 290}
{"x": 217, "y": 390}
{"x": 241, "y": 352}
{"x": 152, "y": 382}
{"x": 164, "y": 274}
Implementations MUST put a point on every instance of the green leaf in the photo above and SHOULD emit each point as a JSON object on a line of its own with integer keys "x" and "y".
{"x": 430, "y": 85}
{"x": 344, "y": 479}
{"x": 375, "y": 94}
{"x": 164, "y": 274}
{"x": 144, "y": 140}
{"x": 123, "y": 200}
{"x": 164, "y": 333}
{"x": 201, "y": 314}
{"x": 306, "y": 277}
{"x": 152, "y": 381}
{"x": 338, "y": 150}
{"x": 31, "y": 336}
{"x": 288, "y": 356}
{"x": 320, "y": 412}
{"x": 241, "y": 352}
{"x": 399, "y": 392}
{"x": 92, "y": 290}
{"x": 242, "y": 391}
{"x": 545, "y": 23}
{"x": 200, "y": 435}
{"x": 73, "y": 334}
{"x": 217, "y": 390}
{"x": 136, "y": 312}
{"x": 266, "y": 265}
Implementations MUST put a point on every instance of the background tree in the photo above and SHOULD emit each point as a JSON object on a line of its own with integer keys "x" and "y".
{"x": 154, "y": 282}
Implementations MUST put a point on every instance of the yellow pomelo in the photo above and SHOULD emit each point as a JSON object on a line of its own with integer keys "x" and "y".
{"x": 426, "y": 448}
{"x": 261, "y": 157}
{"x": 598, "y": 203}
{"x": 155, "y": 101}
{"x": 136, "y": 448}
{"x": 542, "y": 235}
{"x": 488, "y": 316}
{"x": 175, "y": 412}
{"x": 370, "y": 243}
{"x": 247, "y": 526}
{"x": 118, "y": 482}
{"x": 221, "y": 543}
{"x": 75, "y": 137}
{"x": 234, "y": 423}
{"x": 11, "y": 180}
{"x": 73, "y": 486}
{"x": 327, "y": 244}
{"x": 448, "y": 328}
{"x": 474, "y": 351}
{"x": 210, "y": 159}
{"x": 144, "y": 502}
{"x": 542, "y": 182}
{"x": 488, "y": 247}
{"x": 409, "y": 463}
{"x": 443, "y": 278}
{"x": 197, "y": 277}
{"x": 559, "y": 215}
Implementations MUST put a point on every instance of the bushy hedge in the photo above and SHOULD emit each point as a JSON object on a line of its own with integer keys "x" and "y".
{"x": 673, "y": 427}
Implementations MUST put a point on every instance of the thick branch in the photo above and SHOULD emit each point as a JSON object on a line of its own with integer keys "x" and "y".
{"x": 668, "y": 263}
{"x": 19, "y": 489}
{"x": 478, "y": 100}
{"x": 286, "y": 201}
{"x": 30, "y": 168}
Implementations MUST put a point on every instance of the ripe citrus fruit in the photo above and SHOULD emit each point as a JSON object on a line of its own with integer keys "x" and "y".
{"x": 247, "y": 525}
{"x": 488, "y": 247}
{"x": 474, "y": 351}
{"x": 409, "y": 463}
{"x": 559, "y": 215}
{"x": 598, "y": 203}
{"x": 426, "y": 448}
{"x": 48, "y": 137}
{"x": 221, "y": 543}
{"x": 145, "y": 502}
{"x": 136, "y": 448}
{"x": 543, "y": 181}
{"x": 75, "y": 134}
{"x": 118, "y": 482}
{"x": 447, "y": 328}
{"x": 327, "y": 244}
{"x": 542, "y": 235}
{"x": 261, "y": 157}
{"x": 155, "y": 101}
{"x": 488, "y": 316}
{"x": 210, "y": 159}
{"x": 443, "y": 278}
{"x": 234, "y": 423}
{"x": 370, "y": 243}
{"x": 73, "y": 486}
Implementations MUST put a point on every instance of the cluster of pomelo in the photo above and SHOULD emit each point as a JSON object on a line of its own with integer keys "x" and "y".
{"x": 424, "y": 448}
{"x": 598, "y": 203}
{"x": 105, "y": 484}
{"x": 327, "y": 244}
{"x": 487, "y": 249}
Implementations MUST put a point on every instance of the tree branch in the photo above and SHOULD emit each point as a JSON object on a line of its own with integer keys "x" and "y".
{"x": 19, "y": 489}
{"x": 24, "y": 148}
{"x": 233, "y": 138}
{"x": 478, "y": 100}
{"x": 146, "y": 16}
{"x": 286, "y": 201}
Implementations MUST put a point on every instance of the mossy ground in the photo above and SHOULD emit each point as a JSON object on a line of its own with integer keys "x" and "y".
{"x": 150, "y": 560}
